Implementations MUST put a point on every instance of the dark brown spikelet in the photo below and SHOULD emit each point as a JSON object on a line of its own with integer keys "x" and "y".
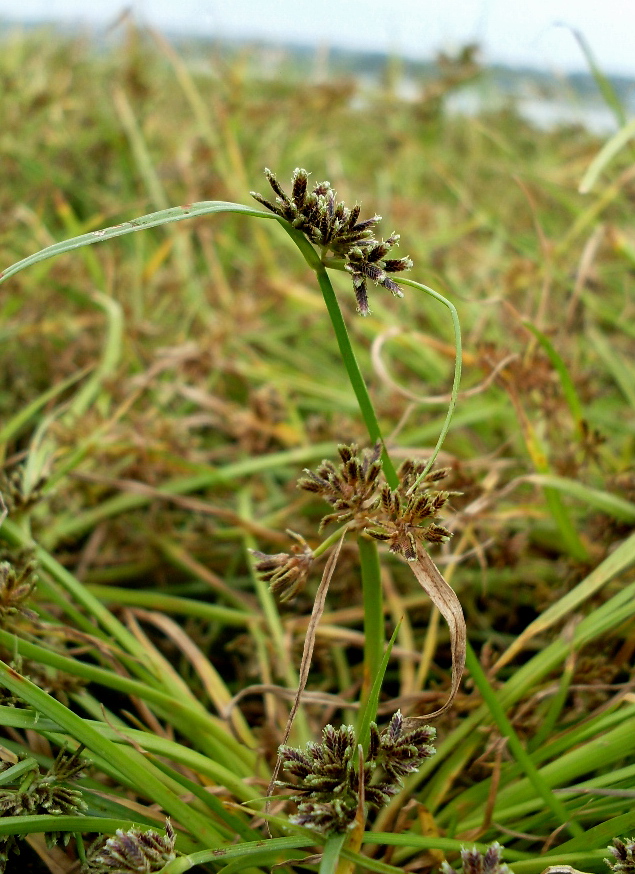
{"x": 333, "y": 227}
{"x": 327, "y": 780}
{"x": 131, "y": 852}
{"x": 475, "y": 862}
{"x": 366, "y": 262}
{"x": 404, "y": 516}
{"x": 285, "y": 572}
{"x": 351, "y": 487}
{"x": 623, "y": 852}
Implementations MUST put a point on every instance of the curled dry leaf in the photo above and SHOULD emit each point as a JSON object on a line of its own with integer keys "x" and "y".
{"x": 445, "y": 600}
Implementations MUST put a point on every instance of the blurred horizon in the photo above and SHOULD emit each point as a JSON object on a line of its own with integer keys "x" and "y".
{"x": 538, "y": 36}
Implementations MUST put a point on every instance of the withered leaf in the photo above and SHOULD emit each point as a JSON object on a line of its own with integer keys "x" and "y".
{"x": 445, "y": 600}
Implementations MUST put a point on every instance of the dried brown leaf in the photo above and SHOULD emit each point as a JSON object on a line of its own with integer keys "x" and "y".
{"x": 445, "y": 600}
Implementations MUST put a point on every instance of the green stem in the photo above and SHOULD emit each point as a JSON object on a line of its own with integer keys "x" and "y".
{"x": 373, "y": 614}
{"x": 338, "y": 264}
{"x": 348, "y": 355}
{"x": 329, "y": 541}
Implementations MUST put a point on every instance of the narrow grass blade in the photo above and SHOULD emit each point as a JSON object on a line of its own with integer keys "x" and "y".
{"x": 568, "y": 388}
{"x": 612, "y": 505}
{"x": 110, "y": 355}
{"x": 606, "y": 88}
{"x": 37, "y": 823}
{"x": 566, "y": 863}
{"x": 569, "y": 533}
{"x": 146, "y": 783}
{"x": 256, "y": 852}
{"x": 422, "y": 842}
{"x": 331, "y": 854}
{"x": 368, "y": 713}
{"x": 606, "y": 154}
{"x": 617, "y": 562}
{"x": 152, "y": 220}
{"x": 621, "y": 369}
{"x": 598, "y": 836}
{"x": 518, "y": 751}
{"x": 13, "y": 426}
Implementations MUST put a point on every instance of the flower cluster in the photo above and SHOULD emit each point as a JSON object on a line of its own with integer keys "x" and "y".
{"x": 327, "y": 775}
{"x": 31, "y": 793}
{"x": 400, "y": 516}
{"x": 286, "y": 573}
{"x": 333, "y": 227}
{"x": 475, "y": 862}
{"x": 405, "y": 518}
{"x": 131, "y": 852}
{"x": 624, "y": 855}
{"x": 349, "y": 488}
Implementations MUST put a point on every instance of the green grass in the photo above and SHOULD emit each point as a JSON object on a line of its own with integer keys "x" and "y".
{"x": 162, "y": 391}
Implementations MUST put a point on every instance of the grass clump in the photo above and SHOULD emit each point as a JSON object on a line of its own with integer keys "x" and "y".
{"x": 161, "y": 393}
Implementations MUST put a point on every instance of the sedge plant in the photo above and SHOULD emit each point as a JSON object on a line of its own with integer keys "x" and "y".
{"x": 370, "y": 498}
{"x": 348, "y": 781}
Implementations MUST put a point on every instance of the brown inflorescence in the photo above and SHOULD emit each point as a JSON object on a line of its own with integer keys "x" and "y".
{"x": 475, "y": 862}
{"x": 623, "y": 853}
{"x": 131, "y": 852}
{"x": 327, "y": 776}
{"x": 285, "y": 572}
{"x": 334, "y": 227}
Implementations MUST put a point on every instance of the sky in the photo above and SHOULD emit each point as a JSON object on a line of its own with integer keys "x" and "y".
{"x": 517, "y": 32}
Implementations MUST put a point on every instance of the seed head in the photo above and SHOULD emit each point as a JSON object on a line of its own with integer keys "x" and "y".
{"x": 326, "y": 781}
{"x": 33, "y": 792}
{"x": 334, "y": 227}
{"x": 475, "y": 862}
{"x": 623, "y": 853}
{"x": 406, "y": 513}
{"x": 131, "y": 852}
{"x": 285, "y": 572}
{"x": 351, "y": 487}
